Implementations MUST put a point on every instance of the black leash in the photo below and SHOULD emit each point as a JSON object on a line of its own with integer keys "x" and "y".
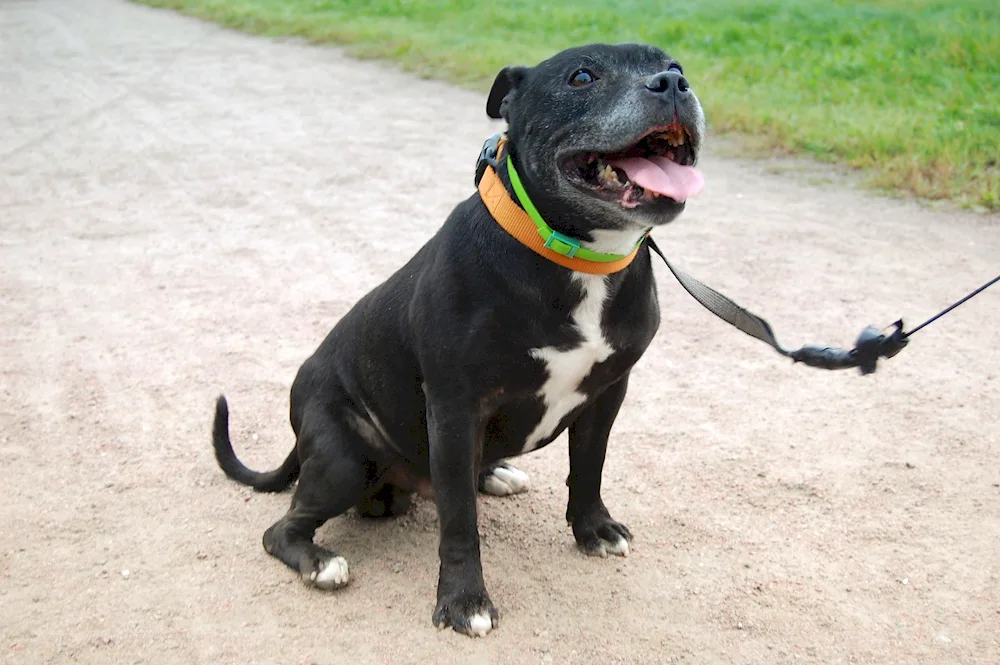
{"x": 869, "y": 347}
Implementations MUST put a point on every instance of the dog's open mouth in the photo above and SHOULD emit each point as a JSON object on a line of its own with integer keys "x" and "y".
{"x": 659, "y": 165}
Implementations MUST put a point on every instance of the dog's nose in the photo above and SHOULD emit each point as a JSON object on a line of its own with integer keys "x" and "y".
{"x": 668, "y": 81}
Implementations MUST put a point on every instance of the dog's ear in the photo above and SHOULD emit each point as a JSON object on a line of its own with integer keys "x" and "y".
{"x": 506, "y": 82}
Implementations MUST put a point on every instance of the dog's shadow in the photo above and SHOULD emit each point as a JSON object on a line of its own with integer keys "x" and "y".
{"x": 529, "y": 559}
{"x": 371, "y": 542}
{"x": 409, "y": 543}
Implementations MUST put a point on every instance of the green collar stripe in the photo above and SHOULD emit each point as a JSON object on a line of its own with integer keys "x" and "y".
{"x": 557, "y": 242}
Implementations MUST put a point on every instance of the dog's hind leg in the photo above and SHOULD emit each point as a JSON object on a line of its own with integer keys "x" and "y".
{"x": 331, "y": 481}
{"x": 388, "y": 501}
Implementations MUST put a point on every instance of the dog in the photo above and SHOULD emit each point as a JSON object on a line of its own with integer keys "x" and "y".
{"x": 487, "y": 345}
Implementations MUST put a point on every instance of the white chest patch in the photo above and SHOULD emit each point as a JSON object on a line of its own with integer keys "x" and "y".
{"x": 567, "y": 368}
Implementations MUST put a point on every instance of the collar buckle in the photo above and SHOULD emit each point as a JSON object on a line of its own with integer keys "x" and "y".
{"x": 566, "y": 246}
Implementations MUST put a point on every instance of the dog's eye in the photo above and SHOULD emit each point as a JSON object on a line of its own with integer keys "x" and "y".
{"x": 675, "y": 67}
{"x": 581, "y": 78}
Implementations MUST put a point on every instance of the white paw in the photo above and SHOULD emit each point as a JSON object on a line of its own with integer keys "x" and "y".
{"x": 480, "y": 625}
{"x": 619, "y": 547}
{"x": 332, "y": 575}
{"x": 505, "y": 480}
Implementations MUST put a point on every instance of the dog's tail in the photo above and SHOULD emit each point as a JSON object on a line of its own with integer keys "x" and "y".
{"x": 270, "y": 481}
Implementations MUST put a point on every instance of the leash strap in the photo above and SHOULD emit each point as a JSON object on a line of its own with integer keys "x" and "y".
{"x": 869, "y": 347}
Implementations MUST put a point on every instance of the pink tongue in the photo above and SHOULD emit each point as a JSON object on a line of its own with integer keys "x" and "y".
{"x": 660, "y": 175}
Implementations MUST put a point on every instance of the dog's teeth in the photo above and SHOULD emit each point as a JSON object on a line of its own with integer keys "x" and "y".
{"x": 608, "y": 177}
{"x": 675, "y": 135}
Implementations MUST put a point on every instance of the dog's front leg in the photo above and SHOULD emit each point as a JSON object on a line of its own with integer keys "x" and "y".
{"x": 595, "y": 532}
{"x": 455, "y": 448}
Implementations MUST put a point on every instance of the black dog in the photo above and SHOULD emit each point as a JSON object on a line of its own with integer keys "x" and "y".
{"x": 481, "y": 348}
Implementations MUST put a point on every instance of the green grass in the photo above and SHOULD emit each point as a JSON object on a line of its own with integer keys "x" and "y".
{"x": 908, "y": 90}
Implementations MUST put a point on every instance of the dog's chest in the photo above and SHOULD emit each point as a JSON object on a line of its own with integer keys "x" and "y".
{"x": 566, "y": 368}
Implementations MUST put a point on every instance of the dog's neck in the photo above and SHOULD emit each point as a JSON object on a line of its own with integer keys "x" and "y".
{"x": 523, "y": 221}
{"x": 613, "y": 241}
{"x": 603, "y": 241}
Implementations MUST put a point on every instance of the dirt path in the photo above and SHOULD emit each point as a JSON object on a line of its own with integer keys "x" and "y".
{"x": 185, "y": 210}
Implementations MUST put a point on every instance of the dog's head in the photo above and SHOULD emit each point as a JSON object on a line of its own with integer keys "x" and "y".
{"x": 604, "y": 137}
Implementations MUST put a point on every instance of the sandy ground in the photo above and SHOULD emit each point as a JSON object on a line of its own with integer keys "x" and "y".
{"x": 187, "y": 211}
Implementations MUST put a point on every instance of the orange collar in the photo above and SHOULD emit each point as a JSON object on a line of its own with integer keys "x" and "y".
{"x": 537, "y": 236}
